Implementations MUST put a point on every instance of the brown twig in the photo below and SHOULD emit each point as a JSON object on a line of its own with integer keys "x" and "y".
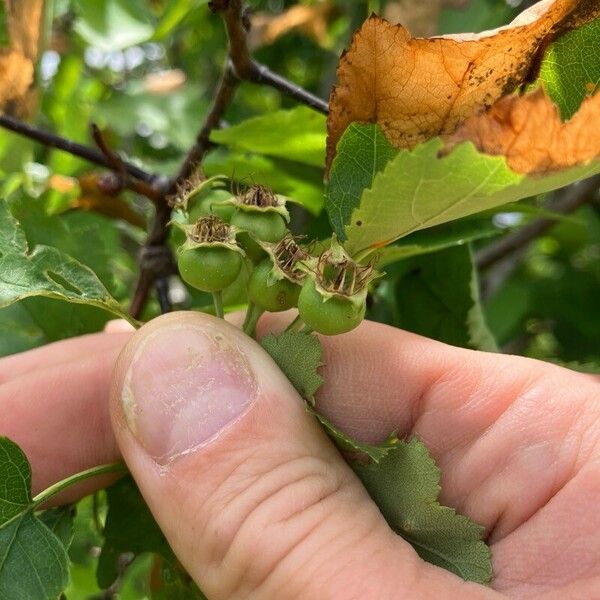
{"x": 156, "y": 243}
{"x": 92, "y": 155}
{"x": 574, "y": 197}
{"x": 246, "y": 68}
{"x": 117, "y": 165}
{"x": 223, "y": 96}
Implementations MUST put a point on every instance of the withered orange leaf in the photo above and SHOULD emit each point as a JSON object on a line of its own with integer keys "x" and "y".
{"x": 416, "y": 88}
{"x": 310, "y": 20}
{"x": 528, "y": 131}
{"x": 23, "y": 22}
{"x": 16, "y": 76}
{"x": 112, "y": 206}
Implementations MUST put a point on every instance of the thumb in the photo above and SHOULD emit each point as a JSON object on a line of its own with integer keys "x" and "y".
{"x": 251, "y": 495}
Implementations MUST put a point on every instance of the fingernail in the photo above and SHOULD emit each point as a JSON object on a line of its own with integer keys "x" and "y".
{"x": 185, "y": 385}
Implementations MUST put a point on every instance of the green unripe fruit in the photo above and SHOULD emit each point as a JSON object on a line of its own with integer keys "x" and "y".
{"x": 281, "y": 295}
{"x": 209, "y": 268}
{"x": 331, "y": 317}
{"x": 267, "y": 226}
{"x": 211, "y": 203}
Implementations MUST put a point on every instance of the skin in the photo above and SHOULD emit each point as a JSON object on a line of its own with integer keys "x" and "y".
{"x": 517, "y": 440}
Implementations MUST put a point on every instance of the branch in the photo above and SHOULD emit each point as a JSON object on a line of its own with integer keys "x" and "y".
{"x": 246, "y": 68}
{"x": 223, "y": 97}
{"x": 574, "y": 197}
{"x": 90, "y": 154}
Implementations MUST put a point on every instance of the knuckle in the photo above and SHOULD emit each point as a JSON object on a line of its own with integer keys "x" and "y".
{"x": 262, "y": 512}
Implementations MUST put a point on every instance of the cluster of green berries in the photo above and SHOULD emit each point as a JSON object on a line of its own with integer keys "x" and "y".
{"x": 251, "y": 229}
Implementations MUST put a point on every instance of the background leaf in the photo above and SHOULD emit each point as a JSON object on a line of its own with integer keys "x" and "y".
{"x": 130, "y": 527}
{"x": 113, "y": 24}
{"x": 33, "y": 560}
{"x": 297, "y": 134}
{"x": 437, "y": 295}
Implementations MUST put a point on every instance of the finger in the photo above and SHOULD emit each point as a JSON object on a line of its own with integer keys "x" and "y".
{"x": 496, "y": 425}
{"x": 252, "y": 497}
{"x": 118, "y": 326}
{"x": 57, "y": 353}
{"x": 58, "y": 414}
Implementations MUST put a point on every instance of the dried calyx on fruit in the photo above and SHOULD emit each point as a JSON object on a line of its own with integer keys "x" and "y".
{"x": 192, "y": 189}
{"x": 288, "y": 258}
{"x": 210, "y": 258}
{"x": 274, "y": 284}
{"x": 263, "y": 217}
{"x": 333, "y": 296}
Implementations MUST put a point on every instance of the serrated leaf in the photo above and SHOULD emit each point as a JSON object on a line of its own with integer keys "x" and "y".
{"x": 45, "y": 271}
{"x": 297, "y": 135}
{"x": 130, "y": 527}
{"x": 405, "y": 487}
{"x": 298, "y": 354}
{"x": 438, "y": 297}
{"x": 570, "y": 70}
{"x": 33, "y": 560}
{"x": 346, "y": 443}
{"x": 419, "y": 189}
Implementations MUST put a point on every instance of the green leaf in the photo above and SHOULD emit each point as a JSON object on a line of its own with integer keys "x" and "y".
{"x": 405, "y": 486}
{"x": 33, "y": 560}
{"x": 297, "y": 135}
{"x": 346, "y": 443}
{"x": 362, "y": 152}
{"x": 176, "y": 585}
{"x": 60, "y": 522}
{"x": 455, "y": 233}
{"x": 15, "y": 481}
{"x": 570, "y": 70}
{"x": 418, "y": 189}
{"x": 113, "y": 24}
{"x": 438, "y": 297}
{"x": 298, "y": 354}
{"x": 300, "y": 182}
{"x": 130, "y": 527}
{"x": 45, "y": 271}
{"x": 175, "y": 13}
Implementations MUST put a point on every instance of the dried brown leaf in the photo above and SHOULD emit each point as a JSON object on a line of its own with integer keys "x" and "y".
{"x": 420, "y": 18}
{"x": 112, "y": 206}
{"x": 16, "y": 77}
{"x": 312, "y": 21}
{"x": 23, "y": 22}
{"x": 416, "y": 88}
{"x": 528, "y": 131}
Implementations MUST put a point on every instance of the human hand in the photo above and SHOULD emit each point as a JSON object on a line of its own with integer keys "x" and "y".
{"x": 267, "y": 508}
